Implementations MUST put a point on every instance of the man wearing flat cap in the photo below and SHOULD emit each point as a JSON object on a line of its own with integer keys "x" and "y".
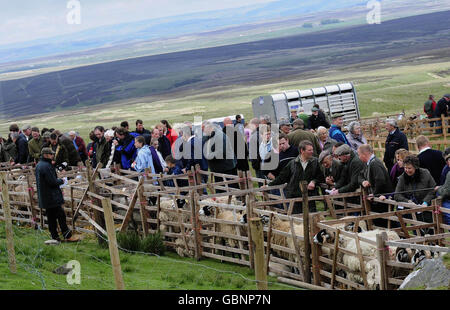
{"x": 50, "y": 196}
{"x": 353, "y": 166}
{"x": 317, "y": 119}
{"x": 332, "y": 168}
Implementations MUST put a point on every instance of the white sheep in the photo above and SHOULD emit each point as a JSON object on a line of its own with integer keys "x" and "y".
{"x": 167, "y": 214}
{"x": 180, "y": 246}
{"x": 372, "y": 268}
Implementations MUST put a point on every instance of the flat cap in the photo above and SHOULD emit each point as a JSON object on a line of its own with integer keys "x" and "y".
{"x": 336, "y": 115}
{"x": 343, "y": 150}
{"x": 284, "y": 122}
{"x": 47, "y": 150}
{"x": 323, "y": 155}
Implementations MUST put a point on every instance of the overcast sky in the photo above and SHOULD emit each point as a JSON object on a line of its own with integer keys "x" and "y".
{"x": 24, "y": 20}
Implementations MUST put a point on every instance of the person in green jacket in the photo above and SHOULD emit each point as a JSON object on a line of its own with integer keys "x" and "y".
{"x": 298, "y": 134}
{"x": 35, "y": 144}
{"x": 353, "y": 166}
{"x": 303, "y": 168}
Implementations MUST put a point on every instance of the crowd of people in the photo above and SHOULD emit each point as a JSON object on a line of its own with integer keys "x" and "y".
{"x": 301, "y": 148}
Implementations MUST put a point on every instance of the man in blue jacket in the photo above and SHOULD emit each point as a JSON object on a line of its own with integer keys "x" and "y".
{"x": 335, "y": 129}
{"x": 50, "y": 197}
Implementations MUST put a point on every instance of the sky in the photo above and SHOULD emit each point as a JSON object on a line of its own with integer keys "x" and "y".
{"x": 25, "y": 20}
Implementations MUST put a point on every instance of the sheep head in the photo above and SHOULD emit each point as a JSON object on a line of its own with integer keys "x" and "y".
{"x": 403, "y": 255}
{"x": 264, "y": 219}
{"x": 206, "y": 211}
{"x": 351, "y": 227}
{"x": 322, "y": 237}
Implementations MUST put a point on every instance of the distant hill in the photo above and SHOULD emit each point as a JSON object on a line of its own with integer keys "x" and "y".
{"x": 167, "y": 27}
{"x": 221, "y": 66}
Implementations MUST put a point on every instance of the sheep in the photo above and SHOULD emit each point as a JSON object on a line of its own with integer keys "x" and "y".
{"x": 368, "y": 249}
{"x": 372, "y": 268}
{"x": 277, "y": 268}
{"x": 165, "y": 215}
{"x": 227, "y": 215}
{"x": 180, "y": 247}
{"x": 324, "y": 236}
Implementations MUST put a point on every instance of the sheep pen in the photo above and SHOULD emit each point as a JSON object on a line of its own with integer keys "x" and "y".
{"x": 208, "y": 220}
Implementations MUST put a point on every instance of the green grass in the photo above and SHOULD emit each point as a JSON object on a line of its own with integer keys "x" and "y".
{"x": 36, "y": 262}
{"x": 381, "y": 88}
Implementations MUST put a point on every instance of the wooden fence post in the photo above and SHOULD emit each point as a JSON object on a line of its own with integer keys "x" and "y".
{"x": 113, "y": 250}
{"x": 381, "y": 261}
{"x": 195, "y": 225}
{"x": 249, "y": 206}
{"x": 444, "y": 127}
{"x": 307, "y": 245}
{"x": 256, "y": 229}
{"x": 8, "y": 223}
{"x": 367, "y": 205}
{"x": 315, "y": 253}
{"x": 97, "y": 215}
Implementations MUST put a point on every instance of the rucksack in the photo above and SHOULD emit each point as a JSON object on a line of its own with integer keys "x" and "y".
{"x": 428, "y": 107}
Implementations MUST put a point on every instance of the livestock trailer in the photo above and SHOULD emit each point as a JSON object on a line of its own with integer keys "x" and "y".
{"x": 332, "y": 99}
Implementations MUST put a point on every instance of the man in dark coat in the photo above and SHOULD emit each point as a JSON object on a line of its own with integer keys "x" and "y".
{"x": 164, "y": 144}
{"x": 237, "y": 140}
{"x": 102, "y": 147}
{"x": 287, "y": 153}
{"x": 254, "y": 142}
{"x": 353, "y": 166}
{"x": 50, "y": 197}
{"x": 72, "y": 153}
{"x": 430, "y": 159}
{"x": 299, "y": 134}
{"x": 218, "y": 151}
{"x": 140, "y": 130}
{"x": 303, "y": 168}
{"x": 21, "y": 146}
{"x": 376, "y": 179}
{"x": 394, "y": 141}
{"x": 332, "y": 168}
{"x": 317, "y": 119}
{"x": 441, "y": 109}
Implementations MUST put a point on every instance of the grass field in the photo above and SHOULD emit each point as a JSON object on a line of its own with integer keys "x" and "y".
{"x": 36, "y": 262}
{"x": 404, "y": 85}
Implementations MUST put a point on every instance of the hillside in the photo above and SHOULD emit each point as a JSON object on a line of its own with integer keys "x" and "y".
{"x": 247, "y": 63}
